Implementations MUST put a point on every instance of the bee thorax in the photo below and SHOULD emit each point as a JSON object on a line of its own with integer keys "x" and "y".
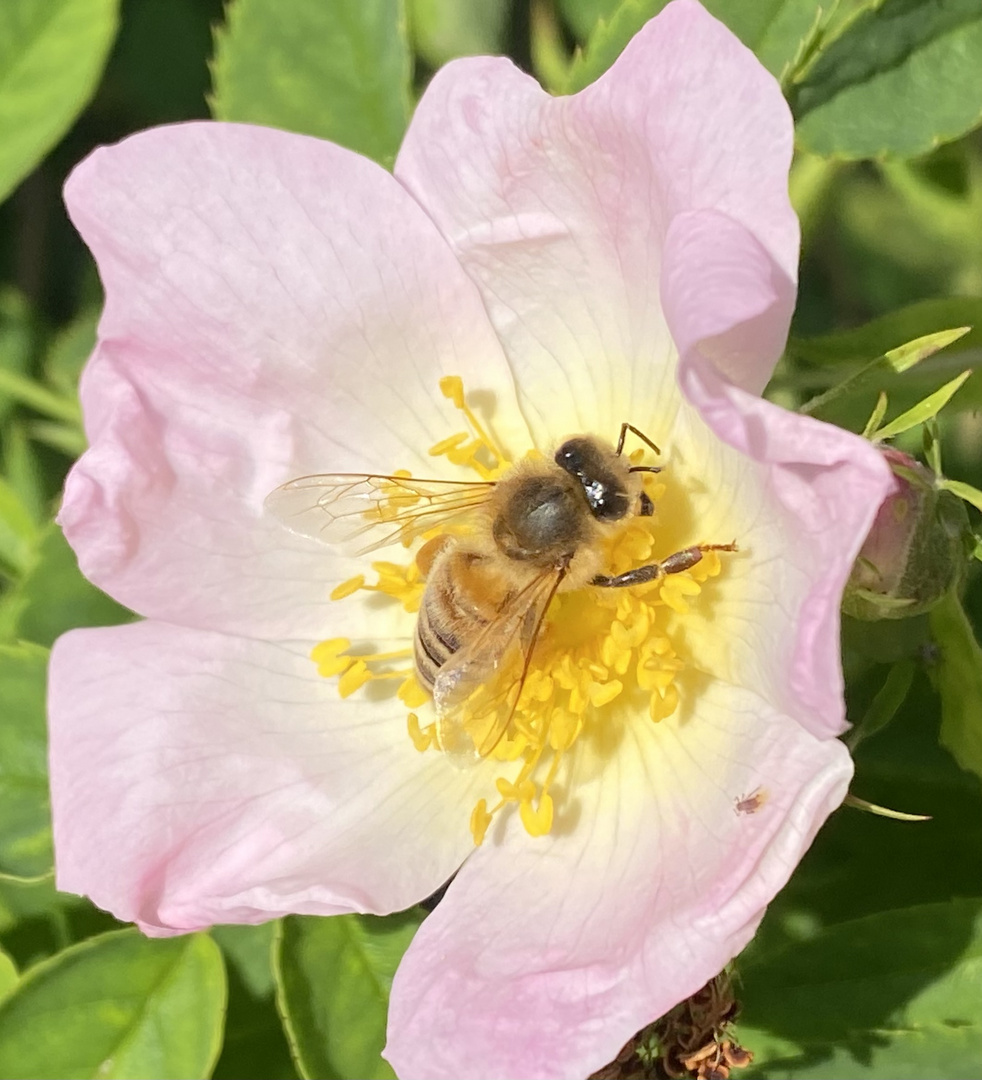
{"x": 541, "y": 522}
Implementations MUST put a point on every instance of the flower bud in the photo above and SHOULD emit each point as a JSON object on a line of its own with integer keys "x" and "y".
{"x": 915, "y": 551}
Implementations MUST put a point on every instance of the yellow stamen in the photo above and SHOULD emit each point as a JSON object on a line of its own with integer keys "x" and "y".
{"x": 564, "y": 730}
{"x": 537, "y": 820}
{"x": 346, "y": 588}
{"x": 399, "y": 654}
{"x": 661, "y": 706}
{"x": 511, "y": 749}
{"x": 412, "y": 694}
{"x": 480, "y": 820}
{"x": 525, "y": 789}
{"x": 444, "y": 446}
{"x": 327, "y": 656}
{"x": 354, "y": 678}
{"x": 709, "y": 566}
{"x": 481, "y": 452}
{"x": 604, "y": 693}
{"x": 675, "y": 589}
{"x": 452, "y": 386}
{"x": 423, "y": 738}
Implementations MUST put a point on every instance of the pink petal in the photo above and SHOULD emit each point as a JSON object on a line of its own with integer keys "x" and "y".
{"x": 559, "y": 208}
{"x": 547, "y": 955}
{"x": 799, "y": 497}
{"x": 722, "y": 289}
{"x": 198, "y": 778}
{"x": 275, "y": 306}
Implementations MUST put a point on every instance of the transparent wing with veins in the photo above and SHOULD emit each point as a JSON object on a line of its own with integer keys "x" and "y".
{"x": 362, "y": 512}
{"x": 477, "y": 690}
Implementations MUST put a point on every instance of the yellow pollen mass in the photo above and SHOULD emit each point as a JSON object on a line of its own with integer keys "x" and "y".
{"x": 604, "y": 656}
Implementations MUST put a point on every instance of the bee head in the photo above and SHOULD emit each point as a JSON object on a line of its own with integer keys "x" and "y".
{"x": 588, "y": 462}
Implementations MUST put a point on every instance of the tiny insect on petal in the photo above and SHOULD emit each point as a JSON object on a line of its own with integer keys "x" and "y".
{"x": 751, "y": 803}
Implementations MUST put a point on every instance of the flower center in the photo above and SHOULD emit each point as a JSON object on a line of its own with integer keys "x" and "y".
{"x": 603, "y": 656}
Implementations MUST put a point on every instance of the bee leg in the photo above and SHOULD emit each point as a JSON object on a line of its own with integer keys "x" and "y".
{"x": 674, "y": 564}
{"x": 647, "y": 506}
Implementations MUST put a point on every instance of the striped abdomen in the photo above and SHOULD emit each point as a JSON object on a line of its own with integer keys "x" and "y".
{"x": 463, "y": 594}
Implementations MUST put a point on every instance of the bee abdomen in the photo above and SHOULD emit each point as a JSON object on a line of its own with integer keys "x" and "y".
{"x": 433, "y": 646}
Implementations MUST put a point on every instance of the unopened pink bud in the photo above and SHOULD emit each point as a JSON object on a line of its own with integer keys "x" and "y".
{"x": 915, "y": 551}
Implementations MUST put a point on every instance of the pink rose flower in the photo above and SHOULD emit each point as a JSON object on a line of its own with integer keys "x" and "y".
{"x": 278, "y": 306}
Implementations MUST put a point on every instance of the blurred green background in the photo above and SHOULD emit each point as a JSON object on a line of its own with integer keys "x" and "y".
{"x": 869, "y": 964}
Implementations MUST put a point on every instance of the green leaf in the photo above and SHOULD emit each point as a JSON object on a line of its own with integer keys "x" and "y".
{"x": 897, "y": 360}
{"x": 8, "y": 975}
{"x": 893, "y": 995}
{"x": 582, "y": 16}
{"x": 53, "y": 596}
{"x": 340, "y": 71}
{"x": 931, "y": 445}
{"x": 333, "y": 980}
{"x": 900, "y": 81}
{"x": 778, "y": 31}
{"x": 25, "y": 829}
{"x": 248, "y": 951}
{"x": 939, "y": 214}
{"x": 607, "y": 42}
{"x": 69, "y": 350}
{"x": 964, "y": 491}
{"x": 958, "y": 679}
{"x": 23, "y": 470}
{"x": 886, "y": 704}
{"x": 891, "y": 331}
{"x": 255, "y": 1046}
{"x": 811, "y": 363}
{"x": 52, "y": 53}
{"x": 68, "y": 439}
{"x": 906, "y": 356}
{"x": 549, "y": 51}
{"x": 810, "y": 181}
{"x": 923, "y": 411}
{"x": 37, "y": 921}
{"x": 860, "y": 864}
{"x": 119, "y": 1005}
{"x": 876, "y": 416}
{"x": 444, "y": 29}
{"x": 797, "y": 32}
{"x": 27, "y": 392}
{"x": 159, "y": 68}
{"x": 18, "y": 531}
{"x": 16, "y": 339}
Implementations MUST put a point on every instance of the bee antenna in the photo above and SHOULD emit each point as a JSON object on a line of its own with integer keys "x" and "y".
{"x": 625, "y": 428}
{"x": 645, "y": 468}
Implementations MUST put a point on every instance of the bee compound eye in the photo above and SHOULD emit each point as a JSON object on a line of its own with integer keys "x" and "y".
{"x": 611, "y": 505}
{"x": 567, "y": 456}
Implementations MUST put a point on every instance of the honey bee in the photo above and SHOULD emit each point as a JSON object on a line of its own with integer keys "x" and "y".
{"x": 538, "y": 530}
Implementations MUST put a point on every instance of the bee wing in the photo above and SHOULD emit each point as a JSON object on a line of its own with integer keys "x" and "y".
{"x": 361, "y": 512}
{"x": 474, "y": 699}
